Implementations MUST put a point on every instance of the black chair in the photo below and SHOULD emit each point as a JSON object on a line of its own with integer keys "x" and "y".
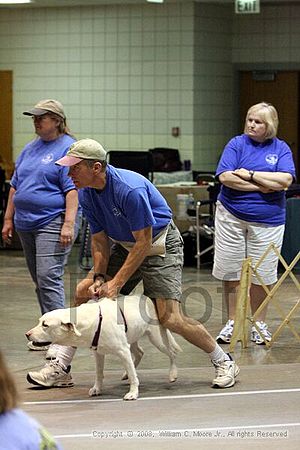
{"x": 165, "y": 159}
{"x": 205, "y": 214}
{"x": 138, "y": 161}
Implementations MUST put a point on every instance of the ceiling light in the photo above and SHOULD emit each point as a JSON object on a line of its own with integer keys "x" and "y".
{"x": 14, "y": 2}
{"x": 155, "y": 1}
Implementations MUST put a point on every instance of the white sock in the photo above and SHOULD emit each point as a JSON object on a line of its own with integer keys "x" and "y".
{"x": 218, "y": 355}
{"x": 65, "y": 355}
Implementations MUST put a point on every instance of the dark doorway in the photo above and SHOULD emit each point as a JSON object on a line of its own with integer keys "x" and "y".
{"x": 282, "y": 90}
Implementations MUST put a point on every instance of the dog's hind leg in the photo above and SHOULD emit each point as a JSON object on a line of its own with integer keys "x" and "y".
{"x": 97, "y": 388}
{"x": 137, "y": 353}
{"x": 126, "y": 358}
{"x": 165, "y": 342}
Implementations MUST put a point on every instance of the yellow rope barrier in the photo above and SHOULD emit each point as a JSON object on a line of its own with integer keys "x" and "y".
{"x": 240, "y": 332}
{"x": 242, "y": 317}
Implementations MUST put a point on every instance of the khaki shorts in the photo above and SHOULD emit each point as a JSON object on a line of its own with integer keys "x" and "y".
{"x": 237, "y": 239}
{"x": 161, "y": 275}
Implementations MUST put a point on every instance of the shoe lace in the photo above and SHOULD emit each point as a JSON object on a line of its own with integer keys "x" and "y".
{"x": 263, "y": 331}
{"x": 53, "y": 366}
{"x": 221, "y": 368}
{"x": 228, "y": 328}
{"x": 263, "y": 327}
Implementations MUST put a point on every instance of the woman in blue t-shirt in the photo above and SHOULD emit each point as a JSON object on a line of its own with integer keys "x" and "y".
{"x": 42, "y": 206}
{"x": 255, "y": 169}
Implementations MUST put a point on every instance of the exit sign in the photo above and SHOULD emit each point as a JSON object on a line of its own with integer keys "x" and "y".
{"x": 247, "y": 6}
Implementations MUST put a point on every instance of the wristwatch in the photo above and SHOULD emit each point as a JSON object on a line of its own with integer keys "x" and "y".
{"x": 251, "y": 173}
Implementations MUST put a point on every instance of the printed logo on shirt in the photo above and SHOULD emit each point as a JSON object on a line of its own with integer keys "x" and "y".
{"x": 48, "y": 158}
{"x": 116, "y": 212}
{"x": 272, "y": 159}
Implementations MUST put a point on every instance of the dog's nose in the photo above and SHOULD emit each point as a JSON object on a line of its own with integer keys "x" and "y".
{"x": 27, "y": 334}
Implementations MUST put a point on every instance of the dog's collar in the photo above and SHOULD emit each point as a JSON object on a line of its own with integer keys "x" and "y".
{"x": 95, "y": 341}
{"x": 97, "y": 333}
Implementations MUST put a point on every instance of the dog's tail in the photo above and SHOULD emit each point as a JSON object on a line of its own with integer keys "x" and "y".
{"x": 174, "y": 347}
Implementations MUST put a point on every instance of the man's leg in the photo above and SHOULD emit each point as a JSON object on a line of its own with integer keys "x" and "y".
{"x": 171, "y": 317}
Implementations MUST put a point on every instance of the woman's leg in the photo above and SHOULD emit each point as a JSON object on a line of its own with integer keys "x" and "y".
{"x": 27, "y": 239}
{"x": 259, "y": 239}
{"x": 51, "y": 258}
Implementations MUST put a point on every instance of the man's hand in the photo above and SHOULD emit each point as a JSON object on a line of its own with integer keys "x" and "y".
{"x": 93, "y": 290}
{"x": 109, "y": 289}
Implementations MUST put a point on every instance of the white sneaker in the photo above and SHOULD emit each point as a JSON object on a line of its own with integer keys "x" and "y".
{"x": 51, "y": 353}
{"x": 225, "y": 335}
{"x": 261, "y": 336}
{"x": 52, "y": 375}
{"x": 226, "y": 373}
{"x": 38, "y": 346}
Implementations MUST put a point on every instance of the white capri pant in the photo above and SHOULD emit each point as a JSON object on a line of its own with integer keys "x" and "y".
{"x": 237, "y": 239}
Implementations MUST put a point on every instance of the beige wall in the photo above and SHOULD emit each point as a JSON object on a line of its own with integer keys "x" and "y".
{"x": 127, "y": 75}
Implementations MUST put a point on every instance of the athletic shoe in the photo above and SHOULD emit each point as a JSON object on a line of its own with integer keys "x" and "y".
{"x": 226, "y": 373}
{"x": 52, "y": 375}
{"x": 51, "y": 353}
{"x": 225, "y": 334}
{"x": 38, "y": 346}
{"x": 264, "y": 335}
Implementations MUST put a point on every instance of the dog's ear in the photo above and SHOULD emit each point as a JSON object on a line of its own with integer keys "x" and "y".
{"x": 71, "y": 327}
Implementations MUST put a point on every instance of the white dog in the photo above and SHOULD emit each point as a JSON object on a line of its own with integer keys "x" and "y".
{"x": 109, "y": 326}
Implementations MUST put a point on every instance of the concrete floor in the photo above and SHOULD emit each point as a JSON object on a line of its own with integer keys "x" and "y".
{"x": 261, "y": 411}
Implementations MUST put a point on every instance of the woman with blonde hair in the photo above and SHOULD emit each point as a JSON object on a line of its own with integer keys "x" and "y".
{"x": 255, "y": 169}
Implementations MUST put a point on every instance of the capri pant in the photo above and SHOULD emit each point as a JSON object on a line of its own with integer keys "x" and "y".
{"x": 237, "y": 239}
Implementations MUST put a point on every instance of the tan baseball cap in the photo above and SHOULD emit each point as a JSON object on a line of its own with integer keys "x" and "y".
{"x": 45, "y": 106}
{"x": 83, "y": 149}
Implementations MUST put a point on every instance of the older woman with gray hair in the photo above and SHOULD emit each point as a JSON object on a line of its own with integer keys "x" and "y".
{"x": 42, "y": 206}
{"x": 255, "y": 169}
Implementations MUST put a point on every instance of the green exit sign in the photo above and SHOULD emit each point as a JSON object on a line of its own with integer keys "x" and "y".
{"x": 247, "y": 6}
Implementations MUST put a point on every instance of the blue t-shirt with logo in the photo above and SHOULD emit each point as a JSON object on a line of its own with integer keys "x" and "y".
{"x": 273, "y": 155}
{"x": 41, "y": 185}
{"x": 129, "y": 202}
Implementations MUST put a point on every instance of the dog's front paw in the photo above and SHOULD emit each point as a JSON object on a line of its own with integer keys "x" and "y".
{"x": 94, "y": 391}
{"x": 131, "y": 395}
{"x": 173, "y": 373}
{"x": 173, "y": 376}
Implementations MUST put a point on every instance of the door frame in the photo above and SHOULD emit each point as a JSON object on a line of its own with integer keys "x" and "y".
{"x": 276, "y": 67}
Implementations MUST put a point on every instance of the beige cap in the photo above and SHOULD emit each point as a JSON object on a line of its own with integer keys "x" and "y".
{"x": 45, "y": 106}
{"x": 83, "y": 149}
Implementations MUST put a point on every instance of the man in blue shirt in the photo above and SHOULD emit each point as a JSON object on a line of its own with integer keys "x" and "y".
{"x": 124, "y": 208}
